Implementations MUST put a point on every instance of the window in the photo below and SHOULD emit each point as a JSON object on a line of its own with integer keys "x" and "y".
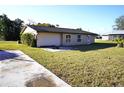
{"x": 78, "y": 38}
{"x": 68, "y": 38}
{"x": 120, "y": 36}
{"x": 88, "y": 36}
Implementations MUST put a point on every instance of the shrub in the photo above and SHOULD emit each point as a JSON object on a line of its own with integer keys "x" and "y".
{"x": 120, "y": 42}
{"x": 28, "y": 39}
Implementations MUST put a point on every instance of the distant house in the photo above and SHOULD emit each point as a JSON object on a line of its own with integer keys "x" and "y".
{"x": 113, "y": 35}
{"x": 54, "y": 36}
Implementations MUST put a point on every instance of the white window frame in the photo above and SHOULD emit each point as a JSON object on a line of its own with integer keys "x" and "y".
{"x": 78, "y": 38}
{"x": 68, "y": 38}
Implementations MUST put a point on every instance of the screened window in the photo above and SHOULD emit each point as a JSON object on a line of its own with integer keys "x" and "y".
{"x": 78, "y": 38}
{"x": 68, "y": 38}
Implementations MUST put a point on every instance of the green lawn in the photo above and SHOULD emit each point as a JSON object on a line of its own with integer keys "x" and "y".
{"x": 99, "y": 64}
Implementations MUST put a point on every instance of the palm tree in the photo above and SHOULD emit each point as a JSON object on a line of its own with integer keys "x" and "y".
{"x": 120, "y": 42}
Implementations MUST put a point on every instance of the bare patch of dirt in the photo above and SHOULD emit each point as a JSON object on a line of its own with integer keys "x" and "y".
{"x": 40, "y": 82}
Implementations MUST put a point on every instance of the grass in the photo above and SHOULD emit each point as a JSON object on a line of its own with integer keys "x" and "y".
{"x": 99, "y": 64}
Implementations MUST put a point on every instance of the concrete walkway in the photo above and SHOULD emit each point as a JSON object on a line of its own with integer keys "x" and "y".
{"x": 53, "y": 50}
{"x": 19, "y": 70}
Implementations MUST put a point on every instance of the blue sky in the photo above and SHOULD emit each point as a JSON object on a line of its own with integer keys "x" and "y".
{"x": 98, "y": 19}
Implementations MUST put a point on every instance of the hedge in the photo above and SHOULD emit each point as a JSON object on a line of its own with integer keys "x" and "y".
{"x": 28, "y": 39}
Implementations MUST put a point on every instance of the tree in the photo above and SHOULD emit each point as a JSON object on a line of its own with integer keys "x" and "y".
{"x": 45, "y": 25}
{"x": 57, "y": 25}
{"x": 79, "y": 29}
{"x": 10, "y": 30}
{"x": 17, "y": 23}
{"x": 31, "y": 22}
{"x": 120, "y": 42}
{"x": 5, "y": 25}
{"x": 119, "y": 23}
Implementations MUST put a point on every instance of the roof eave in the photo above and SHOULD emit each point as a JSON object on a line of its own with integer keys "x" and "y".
{"x": 67, "y": 32}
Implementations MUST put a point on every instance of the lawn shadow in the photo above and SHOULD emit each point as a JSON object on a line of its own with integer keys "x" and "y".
{"x": 94, "y": 46}
{"x": 90, "y": 47}
{"x": 7, "y": 55}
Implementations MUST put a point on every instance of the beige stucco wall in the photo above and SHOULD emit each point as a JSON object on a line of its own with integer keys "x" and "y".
{"x": 55, "y": 39}
{"x": 48, "y": 39}
{"x": 84, "y": 39}
{"x": 105, "y": 37}
{"x": 30, "y": 30}
{"x": 92, "y": 39}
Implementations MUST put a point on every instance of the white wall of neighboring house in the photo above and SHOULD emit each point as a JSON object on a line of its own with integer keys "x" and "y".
{"x": 105, "y": 37}
{"x": 111, "y": 37}
{"x": 48, "y": 39}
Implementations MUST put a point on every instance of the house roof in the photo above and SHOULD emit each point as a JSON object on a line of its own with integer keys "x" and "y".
{"x": 115, "y": 32}
{"x": 60, "y": 30}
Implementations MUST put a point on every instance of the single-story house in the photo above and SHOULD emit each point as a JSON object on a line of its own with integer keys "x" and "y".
{"x": 55, "y": 36}
{"x": 113, "y": 35}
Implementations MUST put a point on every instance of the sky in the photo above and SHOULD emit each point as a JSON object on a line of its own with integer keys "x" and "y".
{"x": 94, "y": 18}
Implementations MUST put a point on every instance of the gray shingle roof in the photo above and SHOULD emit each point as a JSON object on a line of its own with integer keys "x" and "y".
{"x": 115, "y": 32}
{"x": 59, "y": 30}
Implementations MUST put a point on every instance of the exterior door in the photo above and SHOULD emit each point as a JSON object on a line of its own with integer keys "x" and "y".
{"x": 88, "y": 39}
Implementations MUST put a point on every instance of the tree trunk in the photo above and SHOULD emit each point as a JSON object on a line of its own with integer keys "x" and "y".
{"x": 120, "y": 45}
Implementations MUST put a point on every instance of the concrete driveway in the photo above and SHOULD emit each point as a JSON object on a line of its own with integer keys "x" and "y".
{"x": 19, "y": 70}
